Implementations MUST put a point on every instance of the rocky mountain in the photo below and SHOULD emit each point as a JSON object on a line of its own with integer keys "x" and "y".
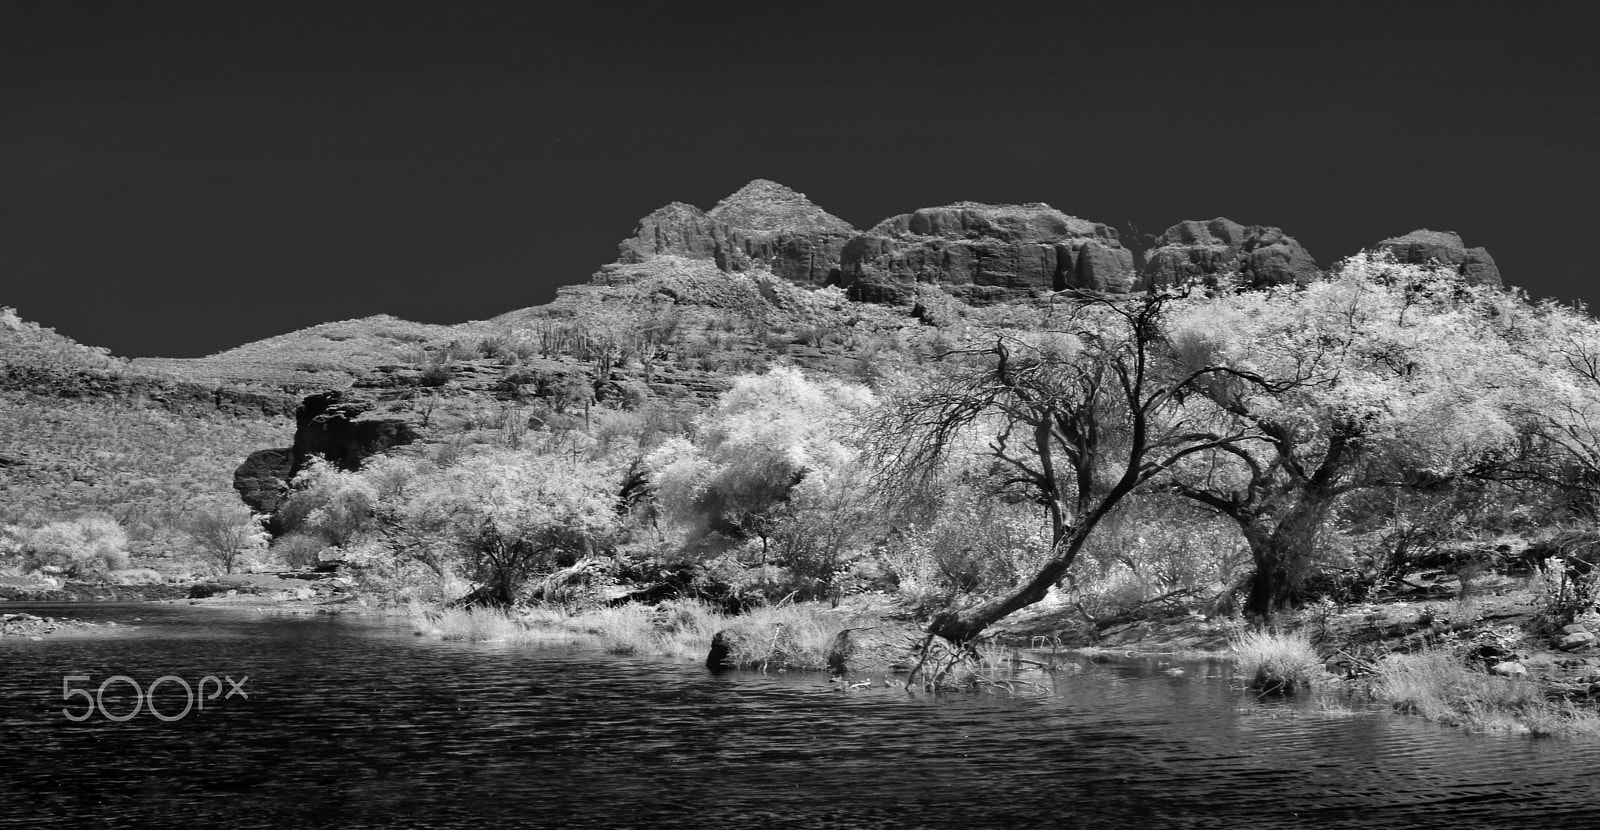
{"x": 763, "y": 223}
{"x": 985, "y": 253}
{"x": 1423, "y": 246}
{"x": 1256, "y": 255}
{"x": 982, "y": 253}
{"x": 695, "y": 298}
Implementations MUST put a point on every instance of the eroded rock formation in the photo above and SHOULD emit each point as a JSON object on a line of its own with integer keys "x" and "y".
{"x": 332, "y": 425}
{"x": 985, "y": 253}
{"x": 341, "y": 429}
{"x": 1256, "y": 255}
{"x": 1421, "y": 247}
{"x": 763, "y": 223}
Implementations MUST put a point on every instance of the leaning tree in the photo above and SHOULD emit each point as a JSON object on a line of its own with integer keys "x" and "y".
{"x": 1078, "y": 414}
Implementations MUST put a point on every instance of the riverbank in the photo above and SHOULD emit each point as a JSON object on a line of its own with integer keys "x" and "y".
{"x": 1432, "y": 653}
{"x": 34, "y": 627}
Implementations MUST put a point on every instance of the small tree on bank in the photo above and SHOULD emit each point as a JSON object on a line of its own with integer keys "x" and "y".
{"x": 223, "y": 533}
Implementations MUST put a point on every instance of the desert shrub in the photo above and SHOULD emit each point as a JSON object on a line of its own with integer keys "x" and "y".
{"x": 390, "y": 579}
{"x": 1560, "y": 595}
{"x": 494, "y": 346}
{"x": 1278, "y": 663}
{"x": 88, "y": 547}
{"x": 434, "y": 375}
{"x": 328, "y": 502}
{"x": 973, "y": 546}
{"x": 1156, "y": 546}
{"x": 136, "y": 576}
{"x": 299, "y": 550}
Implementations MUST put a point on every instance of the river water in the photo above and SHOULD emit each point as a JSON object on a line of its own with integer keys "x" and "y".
{"x": 354, "y": 722}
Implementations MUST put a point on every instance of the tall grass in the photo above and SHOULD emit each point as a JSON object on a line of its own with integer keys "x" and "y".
{"x": 473, "y": 624}
{"x": 1437, "y": 686}
{"x": 775, "y": 637}
{"x": 1279, "y": 663}
{"x": 780, "y": 637}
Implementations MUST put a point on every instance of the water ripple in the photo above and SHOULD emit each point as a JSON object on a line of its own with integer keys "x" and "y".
{"x": 355, "y": 723}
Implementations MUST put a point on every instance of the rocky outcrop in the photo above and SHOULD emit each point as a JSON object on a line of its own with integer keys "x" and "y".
{"x": 262, "y": 481}
{"x": 340, "y": 428}
{"x": 1255, "y": 255}
{"x": 333, "y": 425}
{"x": 985, "y": 253}
{"x": 1422, "y": 247}
{"x": 764, "y": 223}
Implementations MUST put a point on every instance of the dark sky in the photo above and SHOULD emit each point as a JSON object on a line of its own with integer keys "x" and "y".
{"x": 177, "y": 178}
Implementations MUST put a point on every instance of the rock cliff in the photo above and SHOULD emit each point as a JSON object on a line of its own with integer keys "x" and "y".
{"x": 1423, "y": 246}
{"x": 1202, "y": 250}
{"x": 763, "y": 223}
{"x": 333, "y": 425}
{"x": 985, "y": 253}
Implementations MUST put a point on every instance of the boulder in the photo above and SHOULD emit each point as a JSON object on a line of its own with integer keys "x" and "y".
{"x": 1509, "y": 669}
{"x": 763, "y": 223}
{"x": 877, "y": 649}
{"x": 985, "y": 253}
{"x": 263, "y": 479}
{"x": 1421, "y": 247}
{"x": 1575, "y": 640}
{"x": 1201, "y": 251}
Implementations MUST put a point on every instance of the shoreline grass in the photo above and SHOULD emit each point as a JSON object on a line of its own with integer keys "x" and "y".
{"x": 1437, "y": 686}
{"x": 782, "y": 637}
{"x": 1433, "y": 684}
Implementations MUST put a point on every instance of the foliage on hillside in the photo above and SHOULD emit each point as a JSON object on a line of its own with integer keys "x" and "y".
{"x": 86, "y": 434}
{"x": 145, "y": 466}
{"x": 28, "y": 345}
{"x": 325, "y": 356}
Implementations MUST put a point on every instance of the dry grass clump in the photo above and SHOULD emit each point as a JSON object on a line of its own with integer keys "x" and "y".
{"x": 775, "y": 637}
{"x": 1437, "y": 686}
{"x": 622, "y": 629}
{"x": 684, "y": 628}
{"x": 1278, "y": 663}
{"x": 474, "y": 624}
{"x": 780, "y": 637}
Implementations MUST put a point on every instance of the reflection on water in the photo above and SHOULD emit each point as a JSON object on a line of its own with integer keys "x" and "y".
{"x": 357, "y": 723}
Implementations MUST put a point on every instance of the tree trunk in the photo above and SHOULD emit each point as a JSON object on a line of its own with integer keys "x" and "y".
{"x": 1281, "y": 556}
{"x": 963, "y": 625}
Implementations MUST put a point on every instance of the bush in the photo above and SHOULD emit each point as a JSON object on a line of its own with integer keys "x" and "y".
{"x": 1278, "y": 663}
{"x": 137, "y": 576}
{"x": 88, "y": 547}
{"x": 434, "y": 375}
{"x": 299, "y": 550}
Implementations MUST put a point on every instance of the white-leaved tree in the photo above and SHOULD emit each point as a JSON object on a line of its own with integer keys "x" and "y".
{"x": 1384, "y": 375}
{"x": 225, "y": 532}
{"x": 500, "y": 517}
{"x": 761, "y": 440}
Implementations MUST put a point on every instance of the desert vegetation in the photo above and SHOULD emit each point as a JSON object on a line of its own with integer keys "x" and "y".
{"x": 712, "y": 444}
